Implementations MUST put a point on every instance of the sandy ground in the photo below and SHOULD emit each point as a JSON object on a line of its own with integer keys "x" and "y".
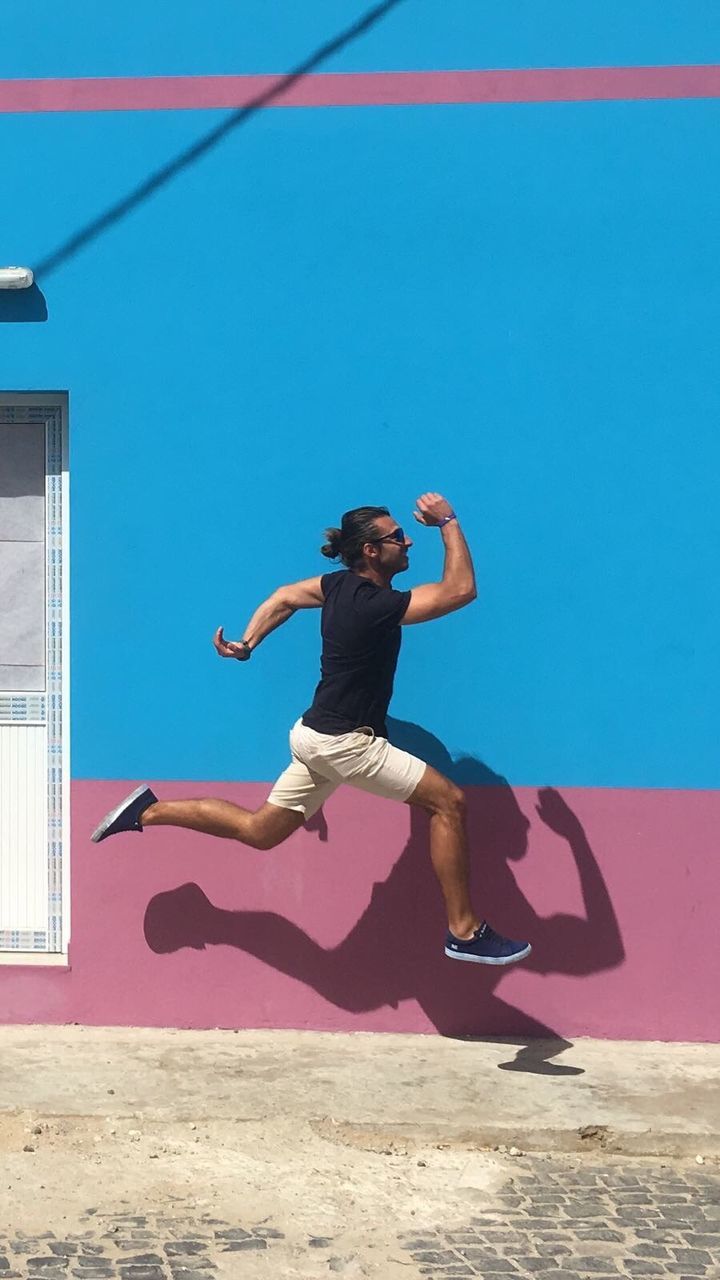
{"x": 350, "y": 1138}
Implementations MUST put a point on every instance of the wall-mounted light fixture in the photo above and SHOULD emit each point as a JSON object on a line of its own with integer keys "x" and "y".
{"x": 15, "y": 277}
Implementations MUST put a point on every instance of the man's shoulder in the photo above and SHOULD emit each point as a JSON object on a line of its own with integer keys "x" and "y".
{"x": 334, "y": 579}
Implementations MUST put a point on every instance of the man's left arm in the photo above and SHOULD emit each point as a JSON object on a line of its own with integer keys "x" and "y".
{"x": 270, "y": 615}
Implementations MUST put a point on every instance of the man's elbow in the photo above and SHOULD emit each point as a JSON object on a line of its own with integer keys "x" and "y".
{"x": 463, "y": 596}
{"x": 283, "y": 600}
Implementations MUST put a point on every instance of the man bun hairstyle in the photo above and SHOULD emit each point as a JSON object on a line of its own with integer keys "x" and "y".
{"x": 357, "y": 528}
{"x": 331, "y": 548}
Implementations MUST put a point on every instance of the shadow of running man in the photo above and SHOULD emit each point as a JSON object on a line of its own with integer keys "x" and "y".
{"x": 394, "y": 951}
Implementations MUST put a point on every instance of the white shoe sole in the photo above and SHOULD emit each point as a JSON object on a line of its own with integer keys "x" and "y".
{"x": 115, "y": 813}
{"x": 464, "y": 955}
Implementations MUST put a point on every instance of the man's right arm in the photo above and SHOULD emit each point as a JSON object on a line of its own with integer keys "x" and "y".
{"x": 457, "y": 586}
{"x": 272, "y": 613}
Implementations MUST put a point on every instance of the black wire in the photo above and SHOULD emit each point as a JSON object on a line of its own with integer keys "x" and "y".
{"x": 158, "y": 179}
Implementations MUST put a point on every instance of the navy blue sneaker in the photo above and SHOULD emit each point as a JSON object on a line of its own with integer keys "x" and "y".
{"x": 127, "y": 815}
{"x": 486, "y": 947}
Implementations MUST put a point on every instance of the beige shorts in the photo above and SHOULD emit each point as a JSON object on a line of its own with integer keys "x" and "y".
{"x": 321, "y": 762}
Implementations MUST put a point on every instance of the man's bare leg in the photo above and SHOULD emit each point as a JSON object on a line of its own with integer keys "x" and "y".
{"x": 445, "y": 802}
{"x": 263, "y": 829}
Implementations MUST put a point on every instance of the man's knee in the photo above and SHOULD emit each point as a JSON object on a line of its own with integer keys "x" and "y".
{"x": 449, "y": 801}
{"x": 272, "y": 825}
{"x": 264, "y": 839}
{"x": 265, "y": 842}
{"x": 456, "y": 800}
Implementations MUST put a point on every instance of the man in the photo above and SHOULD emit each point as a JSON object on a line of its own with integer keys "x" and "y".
{"x": 342, "y": 737}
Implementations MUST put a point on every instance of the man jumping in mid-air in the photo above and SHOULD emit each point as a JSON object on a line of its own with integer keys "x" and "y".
{"x": 342, "y": 737}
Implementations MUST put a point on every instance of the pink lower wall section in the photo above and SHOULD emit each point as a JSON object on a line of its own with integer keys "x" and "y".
{"x": 342, "y": 927}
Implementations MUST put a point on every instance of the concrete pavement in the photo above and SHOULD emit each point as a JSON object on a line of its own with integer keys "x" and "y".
{"x": 329, "y": 1153}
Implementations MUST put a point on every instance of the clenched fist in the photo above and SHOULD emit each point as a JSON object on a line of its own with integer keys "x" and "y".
{"x": 432, "y": 509}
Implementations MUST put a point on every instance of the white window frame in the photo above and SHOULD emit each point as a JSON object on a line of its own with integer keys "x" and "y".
{"x": 16, "y": 949}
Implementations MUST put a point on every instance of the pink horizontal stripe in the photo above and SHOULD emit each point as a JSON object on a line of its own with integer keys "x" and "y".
{"x": 341, "y": 928}
{"x": 358, "y": 89}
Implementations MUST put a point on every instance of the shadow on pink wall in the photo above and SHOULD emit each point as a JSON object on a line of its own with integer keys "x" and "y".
{"x": 391, "y": 953}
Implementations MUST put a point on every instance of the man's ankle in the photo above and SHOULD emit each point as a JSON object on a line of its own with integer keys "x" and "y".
{"x": 464, "y": 929}
{"x": 146, "y": 818}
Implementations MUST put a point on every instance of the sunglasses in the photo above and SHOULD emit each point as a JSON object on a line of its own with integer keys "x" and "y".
{"x": 397, "y": 535}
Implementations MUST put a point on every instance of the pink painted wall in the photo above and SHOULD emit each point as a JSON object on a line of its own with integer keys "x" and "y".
{"x": 342, "y": 927}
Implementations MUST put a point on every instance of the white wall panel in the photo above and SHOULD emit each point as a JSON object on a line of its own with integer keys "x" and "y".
{"x": 34, "y": 787}
{"x": 22, "y": 482}
{"x": 23, "y": 827}
{"x": 22, "y": 615}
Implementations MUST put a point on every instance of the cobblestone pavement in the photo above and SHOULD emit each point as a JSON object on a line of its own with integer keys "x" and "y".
{"x": 556, "y": 1218}
{"x": 560, "y": 1220}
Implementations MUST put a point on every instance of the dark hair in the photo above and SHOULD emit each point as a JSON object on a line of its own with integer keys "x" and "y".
{"x": 357, "y": 528}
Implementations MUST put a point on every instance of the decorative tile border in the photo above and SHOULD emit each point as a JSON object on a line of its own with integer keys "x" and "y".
{"x": 23, "y": 708}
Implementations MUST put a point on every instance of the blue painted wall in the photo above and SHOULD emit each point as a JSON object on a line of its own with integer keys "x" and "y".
{"x": 82, "y": 38}
{"x": 516, "y": 305}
